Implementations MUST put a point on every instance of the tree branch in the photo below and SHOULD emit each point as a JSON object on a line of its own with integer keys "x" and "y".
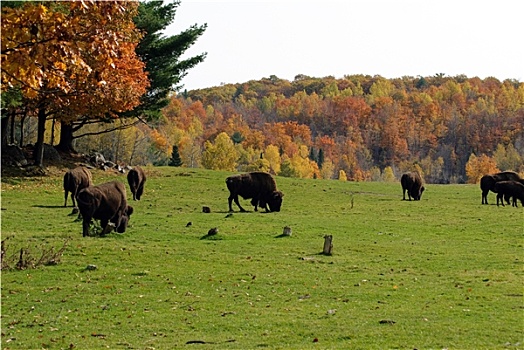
{"x": 121, "y": 127}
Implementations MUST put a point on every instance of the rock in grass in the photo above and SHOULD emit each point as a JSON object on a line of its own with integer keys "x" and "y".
{"x": 387, "y": 322}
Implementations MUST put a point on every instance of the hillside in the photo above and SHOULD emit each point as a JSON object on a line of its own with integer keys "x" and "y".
{"x": 363, "y": 124}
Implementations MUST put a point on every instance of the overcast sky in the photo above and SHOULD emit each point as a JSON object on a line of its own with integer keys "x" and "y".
{"x": 251, "y": 40}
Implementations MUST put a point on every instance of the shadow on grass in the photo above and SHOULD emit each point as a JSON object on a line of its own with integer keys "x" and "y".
{"x": 283, "y": 235}
{"x": 49, "y": 206}
{"x": 213, "y": 237}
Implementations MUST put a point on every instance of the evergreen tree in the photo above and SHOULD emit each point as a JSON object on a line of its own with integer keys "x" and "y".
{"x": 237, "y": 137}
{"x": 162, "y": 56}
{"x": 175, "y": 159}
{"x": 312, "y": 155}
{"x": 320, "y": 158}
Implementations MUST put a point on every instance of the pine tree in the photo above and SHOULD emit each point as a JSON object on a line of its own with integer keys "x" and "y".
{"x": 320, "y": 158}
{"x": 175, "y": 159}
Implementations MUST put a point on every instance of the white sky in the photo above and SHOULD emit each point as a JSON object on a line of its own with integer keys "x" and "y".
{"x": 251, "y": 40}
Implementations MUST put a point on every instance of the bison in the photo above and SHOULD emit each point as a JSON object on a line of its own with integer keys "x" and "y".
{"x": 75, "y": 180}
{"x": 487, "y": 182}
{"x": 136, "y": 179}
{"x": 412, "y": 182}
{"x": 106, "y": 202}
{"x": 258, "y": 186}
{"x": 510, "y": 189}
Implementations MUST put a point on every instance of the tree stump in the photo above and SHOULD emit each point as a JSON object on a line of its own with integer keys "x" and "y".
{"x": 287, "y": 231}
{"x": 328, "y": 245}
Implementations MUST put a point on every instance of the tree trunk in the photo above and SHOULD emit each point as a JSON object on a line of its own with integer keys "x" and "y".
{"x": 66, "y": 138}
{"x": 39, "y": 147}
{"x": 53, "y": 132}
{"x": 12, "y": 131}
{"x": 22, "y": 120}
{"x": 5, "y": 123}
{"x": 328, "y": 245}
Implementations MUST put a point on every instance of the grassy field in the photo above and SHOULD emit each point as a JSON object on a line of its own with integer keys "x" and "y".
{"x": 441, "y": 273}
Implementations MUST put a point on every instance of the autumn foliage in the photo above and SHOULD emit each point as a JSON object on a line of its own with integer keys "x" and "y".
{"x": 72, "y": 59}
{"x": 450, "y": 128}
{"x": 81, "y": 55}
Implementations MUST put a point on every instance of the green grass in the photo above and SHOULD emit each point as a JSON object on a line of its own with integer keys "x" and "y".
{"x": 446, "y": 270}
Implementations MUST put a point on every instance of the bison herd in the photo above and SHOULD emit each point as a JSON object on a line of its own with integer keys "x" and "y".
{"x": 507, "y": 185}
{"x": 107, "y": 202}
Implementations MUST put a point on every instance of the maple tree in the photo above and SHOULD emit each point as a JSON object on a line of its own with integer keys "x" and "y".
{"x": 72, "y": 59}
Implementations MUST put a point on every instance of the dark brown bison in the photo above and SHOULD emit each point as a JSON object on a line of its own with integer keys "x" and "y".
{"x": 75, "y": 180}
{"x": 412, "y": 182}
{"x": 510, "y": 189}
{"x": 136, "y": 179}
{"x": 106, "y": 202}
{"x": 487, "y": 182}
{"x": 258, "y": 186}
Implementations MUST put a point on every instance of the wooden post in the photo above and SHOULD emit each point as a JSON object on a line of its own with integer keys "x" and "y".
{"x": 328, "y": 245}
{"x": 287, "y": 231}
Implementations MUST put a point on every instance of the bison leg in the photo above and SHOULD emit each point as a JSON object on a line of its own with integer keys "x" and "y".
{"x": 485, "y": 197}
{"x": 403, "y": 194}
{"x": 254, "y": 202}
{"x": 65, "y": 198}
{"x": 235, "y": 198}
{"x": 507, "y": 198}
{"x": 263, "y": 204}
{"x": 106, "y": 228}
{"x": 230, "y": 201}
{"x": 500, "y": 198}
{"x": 85, "y": 226}
{"x": 139, "y": 192}
{"x": 73, "y": 197}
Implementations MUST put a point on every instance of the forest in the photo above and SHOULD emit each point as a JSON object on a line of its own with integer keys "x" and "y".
{"x": 360, "y": 128}
{"x": 125, "y": 99}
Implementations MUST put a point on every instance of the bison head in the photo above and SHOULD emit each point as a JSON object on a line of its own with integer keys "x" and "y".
{"x": 275, "y": 201}
{"x": 417, "y": 196}
{"x": 124, "y": 220}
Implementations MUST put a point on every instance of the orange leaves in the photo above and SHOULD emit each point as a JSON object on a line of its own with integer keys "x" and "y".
{"x": 159, "y": 141}
{"x": 75, "y": 54}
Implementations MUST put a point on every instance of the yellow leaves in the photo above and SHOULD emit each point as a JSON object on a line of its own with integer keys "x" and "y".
{"x": 476, "y": 167}
{"x": 59, "y": 65}
{"x": 222, "y": 155}
{"x": 48, "y": 48}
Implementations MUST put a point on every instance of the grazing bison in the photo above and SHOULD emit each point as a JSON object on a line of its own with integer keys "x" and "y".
{"x": 487, "y": 182}
{"x": 136, "y": 179}
{"x": 258, "y": 186}
{"x": 412, "y": 182}
{"x": 106, "y": 202}
{"x": 510, "y": 189}
{"x": 75, "y": 180}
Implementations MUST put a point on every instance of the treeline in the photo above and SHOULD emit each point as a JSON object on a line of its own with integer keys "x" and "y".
{"x": 360, "y": 125}
{"x": 362, "y": 128}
